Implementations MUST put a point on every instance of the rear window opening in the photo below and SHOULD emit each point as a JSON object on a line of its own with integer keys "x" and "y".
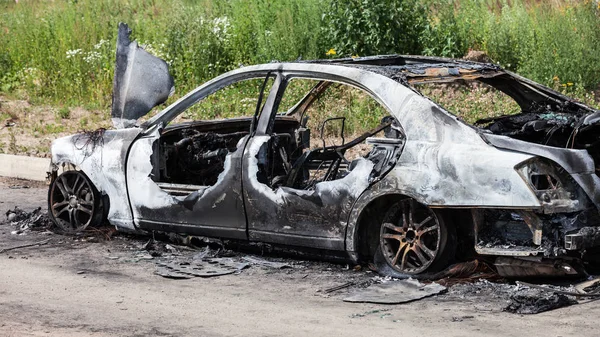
{"x": 471, "y": 101}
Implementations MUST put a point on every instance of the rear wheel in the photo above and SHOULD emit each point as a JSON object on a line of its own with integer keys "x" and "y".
{"x": 414, "y": 240}
{"x": 74, "y": 203}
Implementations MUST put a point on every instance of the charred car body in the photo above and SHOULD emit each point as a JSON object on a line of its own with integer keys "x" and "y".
{"x": 522, "y": 188}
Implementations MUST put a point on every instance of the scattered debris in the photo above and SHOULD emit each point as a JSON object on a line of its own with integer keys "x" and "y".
{"x": 204, "y": 268}
{"x": 465, "y": 272}
{"x": 25, "y": 246}
{"x": 340, "y": 287}
{"x": 522, "y": 298}
{"x": 370, "y": 312}
{"x": 397, "y": 292}
{"x": 23, "y": 221}
{"x": 559, "y": 290}
{"x": 207, "y": 252}
{"x": 265, "y": 263}
{"x": 589, "y": 286}
{"x": 535, "y": 300}
{"x": 17, "y": 187}
{"x": 461, "y": 318}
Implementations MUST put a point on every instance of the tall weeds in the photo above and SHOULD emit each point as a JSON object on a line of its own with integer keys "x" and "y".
{"x": 62, "y": 51}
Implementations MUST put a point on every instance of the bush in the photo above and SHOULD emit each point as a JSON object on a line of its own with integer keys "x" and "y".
{"x": 370, "y": 27}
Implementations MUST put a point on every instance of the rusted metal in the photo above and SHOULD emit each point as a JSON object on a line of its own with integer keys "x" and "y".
{"x": 535, "y": 225}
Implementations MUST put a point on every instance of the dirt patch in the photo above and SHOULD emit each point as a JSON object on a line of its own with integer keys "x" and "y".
{"x": 28, "y": 129}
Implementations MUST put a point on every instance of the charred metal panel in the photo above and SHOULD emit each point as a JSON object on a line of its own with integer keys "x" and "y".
{"x": 315, "y": 218}
{"x": 142, "y": 81}
{"x": 586, "y": 237}
{"x": 578, "y": 163}
{"x": 534, "y": 267}
{"x": 103, "y": 161}
{"x": 572, "y": 160}
{"x": 215, "y": 210}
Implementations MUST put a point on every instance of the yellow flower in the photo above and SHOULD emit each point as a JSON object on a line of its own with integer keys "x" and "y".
{"x": 555, "y": 78}
{"x": 570, "y": 84}
{"x": 563, "y": 85}
{"x": 330, "y": 52}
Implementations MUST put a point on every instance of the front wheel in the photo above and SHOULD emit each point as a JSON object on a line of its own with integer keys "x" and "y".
{"x": 414, "y": 240}
{"x": 74, "y": 203}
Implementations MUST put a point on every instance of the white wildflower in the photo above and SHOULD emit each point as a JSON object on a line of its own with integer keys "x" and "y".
{"x": 100, "y": 44}
{"x": 92, "y": 57}
{"x": 220, "y": 27}
{"x": 73, "y": 53}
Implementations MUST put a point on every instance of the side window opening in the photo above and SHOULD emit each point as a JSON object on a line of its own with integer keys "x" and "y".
{"x": 193, "y": 148}
{"x": 338, "y": 125}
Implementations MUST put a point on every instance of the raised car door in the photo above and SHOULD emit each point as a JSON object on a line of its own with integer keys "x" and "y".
{"x": 186, "y": 177}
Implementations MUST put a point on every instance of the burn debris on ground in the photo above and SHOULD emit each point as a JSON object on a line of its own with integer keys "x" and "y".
{"x": 395, "y": 292}
{"x": 157, "y": 248}
{"x": 265, "y": 263}
{"x": 23, "y": 221}
{"x": 465, "y": 272}
{"x": 519, "y": 298}
{"x": 208, "y": 267}
{"x": 533, "y": 301}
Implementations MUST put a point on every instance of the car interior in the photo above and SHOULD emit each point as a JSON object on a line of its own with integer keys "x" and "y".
{"x": 192, "y": 154}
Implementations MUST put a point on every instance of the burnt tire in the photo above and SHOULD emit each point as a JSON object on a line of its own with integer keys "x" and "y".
{"x": 414, "y": 241}
{"x": 74, "y": 203}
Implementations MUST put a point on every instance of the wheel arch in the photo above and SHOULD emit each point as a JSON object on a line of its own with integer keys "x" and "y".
{"x": 377, "y": 198}
{"x": 362, "y": 232}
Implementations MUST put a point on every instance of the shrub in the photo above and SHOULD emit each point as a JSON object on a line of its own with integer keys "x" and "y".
{"x": 370, "y": 27}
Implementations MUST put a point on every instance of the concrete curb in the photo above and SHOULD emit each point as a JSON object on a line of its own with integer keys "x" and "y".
{"x": 23, "y": 167}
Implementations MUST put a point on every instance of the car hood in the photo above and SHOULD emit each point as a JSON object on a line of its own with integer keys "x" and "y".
{"x": 141, "y": 82}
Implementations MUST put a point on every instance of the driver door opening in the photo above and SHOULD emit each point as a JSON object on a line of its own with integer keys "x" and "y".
{"x": 194, "y": 148}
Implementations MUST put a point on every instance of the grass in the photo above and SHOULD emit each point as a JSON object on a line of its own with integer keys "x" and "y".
{"x": 59, "y": 55}
{"x": 542, "y": 40}
{"x": 63, "y": 51}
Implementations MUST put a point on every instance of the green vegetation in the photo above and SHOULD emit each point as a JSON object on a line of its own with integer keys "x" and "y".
{"x": 545, "y": 41}
{"x": 471, "y": 101}
{"x": 62, "y": 52}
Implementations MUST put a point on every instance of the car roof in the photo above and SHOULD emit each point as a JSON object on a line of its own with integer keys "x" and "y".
{"x": 416, "y": 69}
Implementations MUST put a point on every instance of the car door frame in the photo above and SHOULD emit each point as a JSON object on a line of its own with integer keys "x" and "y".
{"x": 207, "y": 211}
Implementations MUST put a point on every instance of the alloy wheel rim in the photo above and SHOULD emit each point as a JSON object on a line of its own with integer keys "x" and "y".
{"x": 410, "y": 237}
{"x": 72, "y": 201}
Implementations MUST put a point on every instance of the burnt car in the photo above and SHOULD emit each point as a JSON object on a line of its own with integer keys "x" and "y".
{"x": 425, "y": 188}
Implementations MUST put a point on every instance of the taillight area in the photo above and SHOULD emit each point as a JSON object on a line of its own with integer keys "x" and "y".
{"x": 553, "y": 186}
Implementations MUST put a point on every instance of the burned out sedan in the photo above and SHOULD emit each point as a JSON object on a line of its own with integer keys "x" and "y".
{"x": 410, "y": 186}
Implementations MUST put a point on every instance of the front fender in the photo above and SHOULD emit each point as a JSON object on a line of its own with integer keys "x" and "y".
{"x": 101, "y": 155}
